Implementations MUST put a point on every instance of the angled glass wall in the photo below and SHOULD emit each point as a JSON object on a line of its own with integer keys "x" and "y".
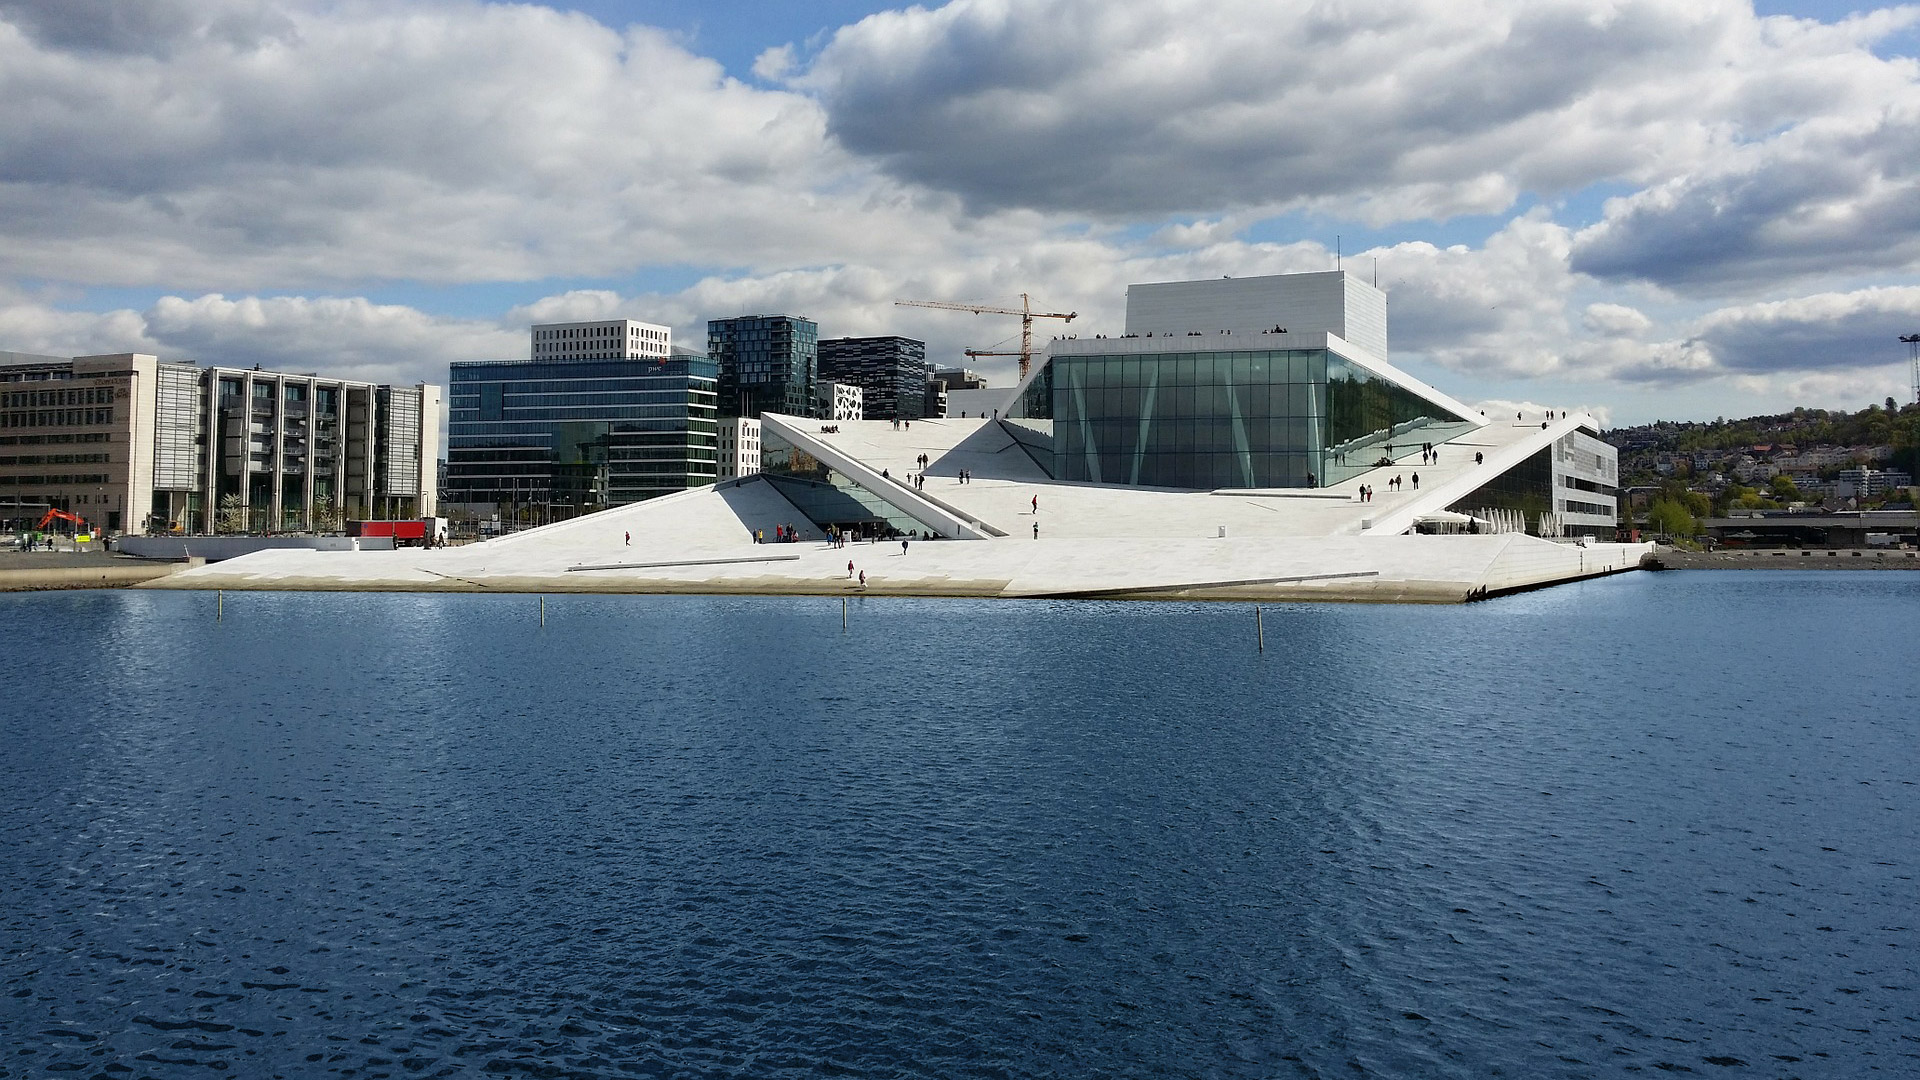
{"x": 828, "y": 497}
{"x": 1271, "y": 418}
{"x": 1372, "y": 420}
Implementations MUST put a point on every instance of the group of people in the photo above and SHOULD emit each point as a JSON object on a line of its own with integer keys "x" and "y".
{"x": 1393, "y": 484}
{"x": 1429, "y": 455}
{"x": 782, "y": 534}
{"x": 899, "y": 424}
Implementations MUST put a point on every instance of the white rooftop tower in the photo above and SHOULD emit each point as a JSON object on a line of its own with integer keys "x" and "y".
{"x": 1331, "y": 302}
{"x": 604, "y": 339}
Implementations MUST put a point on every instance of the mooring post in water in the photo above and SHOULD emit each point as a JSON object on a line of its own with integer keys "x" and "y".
{"x": 219, "y": 605}
{"x": 1259, "y": 629}
{"x": 843, "y": 614}
{"x": 543, "y": 611}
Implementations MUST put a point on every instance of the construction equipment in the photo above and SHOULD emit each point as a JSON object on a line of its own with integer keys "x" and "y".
{"x": 80, "y": 523}
{"x": 1025, "y": 311}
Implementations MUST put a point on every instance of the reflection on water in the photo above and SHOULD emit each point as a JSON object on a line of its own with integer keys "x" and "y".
{"x": 1652, "y": 822}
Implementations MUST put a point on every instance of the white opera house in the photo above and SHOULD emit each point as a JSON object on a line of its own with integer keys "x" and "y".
{"x": 1241, "y": 438}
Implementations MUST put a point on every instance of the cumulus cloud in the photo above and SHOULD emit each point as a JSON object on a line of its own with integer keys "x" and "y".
{"x": 1814, "y": 333}
{"x": 1615, "y": 320}
{"x": 1837, "y": 196}
{"x": 441, "y": 141}
{"x": 1389, "y": 111}
{"x": 1499, "y": 310}
{"x": 231, "y": 151}
{"x": 151, "y": 27}
{"x": 347, "y": 337}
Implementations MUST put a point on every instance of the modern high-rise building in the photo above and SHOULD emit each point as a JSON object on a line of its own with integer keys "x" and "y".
{"x": 560, "y": 435}
{"x": 606, "y": 339}
{"x": 140, "y": 445}
{"x": 766, "y": 363}
{"x": 891, "y": 372}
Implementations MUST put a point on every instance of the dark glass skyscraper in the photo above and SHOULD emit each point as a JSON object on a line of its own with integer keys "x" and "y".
{"x": 891, "y": 372}
{"x": 766, "y": 363}
{"x": 575, "y": 434}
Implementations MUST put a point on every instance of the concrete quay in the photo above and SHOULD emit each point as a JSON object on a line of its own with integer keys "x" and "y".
{"x": 1788, "y": 559}
{"x": 31, "y": 571}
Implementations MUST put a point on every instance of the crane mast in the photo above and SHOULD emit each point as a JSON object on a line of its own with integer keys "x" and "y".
{"x": 1025, "y": 311}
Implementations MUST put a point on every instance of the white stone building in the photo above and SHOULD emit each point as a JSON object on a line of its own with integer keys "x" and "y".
{"x": 839, "y": 400}
{"x": 739, "y": 446}
{"x": 605, "y": 339}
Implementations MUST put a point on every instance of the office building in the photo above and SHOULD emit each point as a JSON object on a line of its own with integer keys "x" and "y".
{"x": 739, "y": 447}
{"x": 140, "y": 445}
{"x": 766, "y": 363}
{"x": 838, "y": 400}
{"x": 606, "y": 339}
{"x": 546, "y": 438}
{"x": 891, "y": 372}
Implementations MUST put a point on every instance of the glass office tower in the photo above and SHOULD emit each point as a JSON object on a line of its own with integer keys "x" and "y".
{"x": 575, "y": 435}
{"x": 891, "y": 372}
{"x": 766, "y": 363}
{"x": 1198, "y": 416}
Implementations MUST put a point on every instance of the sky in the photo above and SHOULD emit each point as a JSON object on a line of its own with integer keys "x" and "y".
{"x": 1656, "y": 210}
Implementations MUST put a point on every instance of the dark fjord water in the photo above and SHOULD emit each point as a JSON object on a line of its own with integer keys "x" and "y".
{"x": 1659, "y": 822}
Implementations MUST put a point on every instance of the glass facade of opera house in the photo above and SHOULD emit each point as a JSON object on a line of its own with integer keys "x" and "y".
{"x": 1274, "y": 418}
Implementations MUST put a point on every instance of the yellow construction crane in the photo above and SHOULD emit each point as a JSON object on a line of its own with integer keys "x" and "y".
{"x": 1025, "y": 311}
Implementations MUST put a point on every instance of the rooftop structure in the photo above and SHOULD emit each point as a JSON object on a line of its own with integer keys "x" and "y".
{"x": 604, "y": 339}
{"x": 1331, "y": 302}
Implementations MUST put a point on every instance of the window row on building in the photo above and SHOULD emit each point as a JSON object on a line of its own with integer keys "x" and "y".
{"x": 192, "y": 449}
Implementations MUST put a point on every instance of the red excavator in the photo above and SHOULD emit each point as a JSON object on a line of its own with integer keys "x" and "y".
{"x": 79, "y": 523}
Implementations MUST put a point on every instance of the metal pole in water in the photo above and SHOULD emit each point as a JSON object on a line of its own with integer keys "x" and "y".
{"x": 219, "y": 605}
{"x": 543, "y": 611}
{"x": 843, "y": 614}
{"x": 1259, "y": 628}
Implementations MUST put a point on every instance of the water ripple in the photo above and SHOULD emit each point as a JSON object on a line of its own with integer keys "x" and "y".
{"x": 1650, "y": 823}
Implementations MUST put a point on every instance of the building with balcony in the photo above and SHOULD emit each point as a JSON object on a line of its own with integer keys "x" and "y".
{"x": 174, "y": 447}
{"x": 765, "y": 363}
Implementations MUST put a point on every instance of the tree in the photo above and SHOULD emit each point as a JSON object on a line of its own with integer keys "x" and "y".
{"x": 233, "y": 515}
{"x": 1670, "y": 517}
{"x": 1784, "y": 488}
{"x": 326, "y": 516}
